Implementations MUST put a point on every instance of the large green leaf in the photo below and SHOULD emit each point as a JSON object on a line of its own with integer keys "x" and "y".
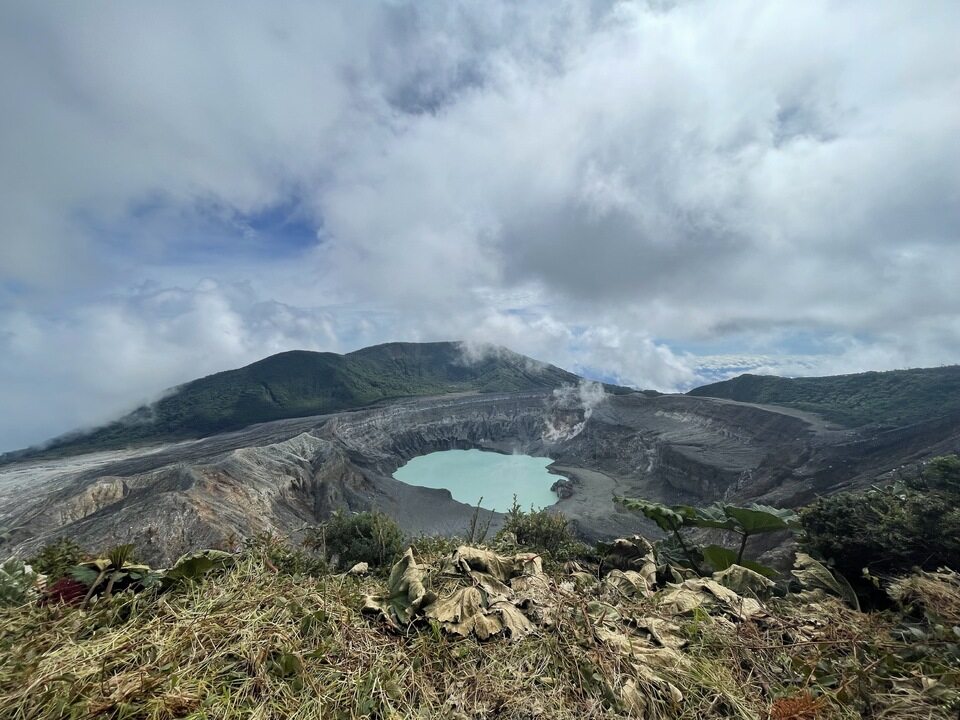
{"x": 721, "y": 558}
{"x": 760, "y": 518}
{"x": 667, "y": 519}
{"x": 194, "y": 566}
{"x": 712, "y": 516}
{"x": 83, "y": 574}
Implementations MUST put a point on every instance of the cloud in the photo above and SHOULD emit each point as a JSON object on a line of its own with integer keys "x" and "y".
{"x": 686, "y": 160}
{"x": 636, "y": 191}
{"x": 87, "y": 366}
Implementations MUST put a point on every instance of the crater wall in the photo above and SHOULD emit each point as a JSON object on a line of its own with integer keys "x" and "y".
{"x": 285, "y": 475}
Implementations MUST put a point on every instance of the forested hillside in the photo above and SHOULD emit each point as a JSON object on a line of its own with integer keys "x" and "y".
{"x": 896, "y": 397}
{"x": 301, "y": 383}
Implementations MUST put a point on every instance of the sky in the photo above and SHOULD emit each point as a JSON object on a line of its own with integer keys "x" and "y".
{"x": 655, "y": 193}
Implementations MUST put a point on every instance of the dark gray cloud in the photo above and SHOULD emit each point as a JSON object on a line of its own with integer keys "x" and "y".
{"x": 651, "y": 191}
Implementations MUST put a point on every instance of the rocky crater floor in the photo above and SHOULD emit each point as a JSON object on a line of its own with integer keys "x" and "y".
{"x": 285, "y": 475}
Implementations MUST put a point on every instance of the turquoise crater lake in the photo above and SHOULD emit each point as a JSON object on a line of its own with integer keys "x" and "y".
{"x": 472, "y": 474}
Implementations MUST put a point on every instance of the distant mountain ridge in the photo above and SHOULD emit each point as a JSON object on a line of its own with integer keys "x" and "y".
{"x": 299, "y": 383}
{"x": 302, "y": 383}
{"x": 891, "y": 398}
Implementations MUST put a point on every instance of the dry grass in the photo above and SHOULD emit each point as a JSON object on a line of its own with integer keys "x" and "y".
{"x": 936, "y": 594}
{"x": 797, "y": 707}
{"x": 264, "y": 644}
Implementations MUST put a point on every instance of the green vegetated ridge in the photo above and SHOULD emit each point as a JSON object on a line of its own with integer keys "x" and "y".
{"x": 301, "y": 383}
{"x": 896, "y": 397}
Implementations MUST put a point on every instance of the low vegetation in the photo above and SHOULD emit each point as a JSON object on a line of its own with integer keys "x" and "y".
{"x": 542, "y": 531}
{"x": 535, "y": 625}
{"x": 16, "y": 580}
{"x": 913, "y": 521}
{"x": 350, "y": 538}
{"x": 56, "y": 559}
{"x": 258, "y": 637}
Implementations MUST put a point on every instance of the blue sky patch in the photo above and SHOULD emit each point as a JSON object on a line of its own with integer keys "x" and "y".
{"x": 158, "y": 230}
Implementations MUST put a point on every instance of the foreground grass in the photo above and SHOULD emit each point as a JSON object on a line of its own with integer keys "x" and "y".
{"x": 256, "y": 642}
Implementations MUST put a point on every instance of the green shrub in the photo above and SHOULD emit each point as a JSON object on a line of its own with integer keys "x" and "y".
{"x": 16, "y": 580}
{"x": 943, "y": 474}
{"x": 57, "y": 558}
{"x": 369, "y": 537}
{"x": 542, "y": 531}
{"x": 890, "y": 529}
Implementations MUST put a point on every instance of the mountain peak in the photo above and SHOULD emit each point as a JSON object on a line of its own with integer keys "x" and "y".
{"x": 299, "y": 383}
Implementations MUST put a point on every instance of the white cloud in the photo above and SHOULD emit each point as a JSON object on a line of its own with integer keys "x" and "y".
{"x": 600, "y": 185}
{"x": 86, "y": 366}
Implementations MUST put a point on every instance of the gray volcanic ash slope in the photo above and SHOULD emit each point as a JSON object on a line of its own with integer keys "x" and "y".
{"x": 282, "y": 475}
